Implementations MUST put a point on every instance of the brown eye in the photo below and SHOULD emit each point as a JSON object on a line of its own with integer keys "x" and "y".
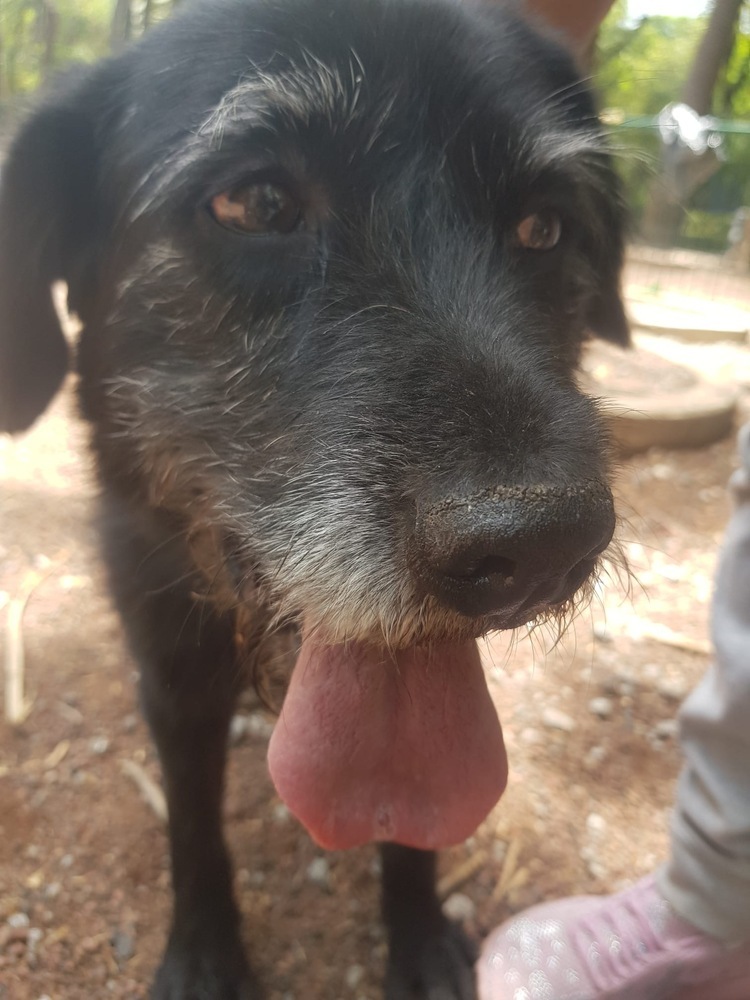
{"x": 257, "y": 209}
{"x": 540, "y": 231}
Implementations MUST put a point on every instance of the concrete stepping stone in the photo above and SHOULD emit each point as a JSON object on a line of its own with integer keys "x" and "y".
{"x": 652, "y": 402}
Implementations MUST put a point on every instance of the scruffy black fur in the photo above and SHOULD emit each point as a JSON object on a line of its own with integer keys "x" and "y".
{"x": 323, "y": 426}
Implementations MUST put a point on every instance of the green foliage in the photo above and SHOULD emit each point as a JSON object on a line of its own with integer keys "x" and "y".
{"x": 31, "y": 47}
{"x": 81, "y": 32}
{"x": 642, "y": 64}
{"x": 706, "y": 230}
{"x": 84, "y": 29}
{"x": 732, "y": 98}
{"x": 641, "y": 67}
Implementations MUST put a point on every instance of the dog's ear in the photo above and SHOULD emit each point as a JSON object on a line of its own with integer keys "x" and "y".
{"x": 606, "y": 317}
{"x": 48, "y": 230}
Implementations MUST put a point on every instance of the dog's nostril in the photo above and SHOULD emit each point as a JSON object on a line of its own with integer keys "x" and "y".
{"x": 489, "y": 566}
{"x": 580, "y": 573}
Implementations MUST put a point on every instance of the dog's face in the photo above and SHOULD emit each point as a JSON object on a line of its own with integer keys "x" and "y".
{"x": 335, "y": 261}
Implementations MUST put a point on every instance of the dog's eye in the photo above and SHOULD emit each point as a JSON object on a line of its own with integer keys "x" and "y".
{"x": 257, "y": 209}
{"x": 540, "y": 231}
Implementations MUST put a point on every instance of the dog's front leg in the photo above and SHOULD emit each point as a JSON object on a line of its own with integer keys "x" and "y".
{"x": 204, "y": 956}
{"x": 429, "y": 958}
{"x": 189, "y": 683}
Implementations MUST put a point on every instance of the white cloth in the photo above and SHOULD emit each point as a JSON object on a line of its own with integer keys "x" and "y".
{"x": 707, "y": 879}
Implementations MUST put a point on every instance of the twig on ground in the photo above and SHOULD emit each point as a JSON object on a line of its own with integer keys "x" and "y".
{"x": 509, "y": 869}
{"x": 17, "y": 707}
{"x": 151, "y": 792}
{"x": 659, "y": 632}
{"x": 455, "y": 878}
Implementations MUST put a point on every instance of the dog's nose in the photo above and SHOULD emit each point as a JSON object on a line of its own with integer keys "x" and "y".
{"x": 515, "y": 550}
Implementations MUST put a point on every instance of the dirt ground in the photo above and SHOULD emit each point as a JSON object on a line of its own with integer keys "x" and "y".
{"x": 590, "y": 729}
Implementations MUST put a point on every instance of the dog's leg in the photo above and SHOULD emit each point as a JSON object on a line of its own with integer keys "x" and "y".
{"x": 429, "y": 957}
{"x": 189, "y": 681}
{"x": 204, "y": 957}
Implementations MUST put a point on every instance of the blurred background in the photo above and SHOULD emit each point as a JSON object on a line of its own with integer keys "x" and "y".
{"x": 649, "y": 55}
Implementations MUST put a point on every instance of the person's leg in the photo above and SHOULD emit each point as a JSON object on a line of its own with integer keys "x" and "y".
{"x": 671, "y": 935}
{"x": 707, "y": 879}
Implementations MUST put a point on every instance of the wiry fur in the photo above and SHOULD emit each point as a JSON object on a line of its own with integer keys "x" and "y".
{"x": 274, "y": 418}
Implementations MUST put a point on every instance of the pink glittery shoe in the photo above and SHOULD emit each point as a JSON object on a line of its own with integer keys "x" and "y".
{"x": 629, "y": 946}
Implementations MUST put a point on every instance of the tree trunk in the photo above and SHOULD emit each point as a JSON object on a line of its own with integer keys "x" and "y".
{"x": 48, "y": 26}
{"x": 665, "y": 211}
{"x": 122, "y": 25}
{"x": 3, "y": 83}
{"x": 714, "y": 51}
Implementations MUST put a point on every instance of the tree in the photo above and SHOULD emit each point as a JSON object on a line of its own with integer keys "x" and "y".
{"x": 665, "y": 208}
{"x": 122, "y": 25}
{"x": 39, "y": 36}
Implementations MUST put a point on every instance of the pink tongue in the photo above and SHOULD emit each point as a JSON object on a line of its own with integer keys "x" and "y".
{"x": 373, "y": 746}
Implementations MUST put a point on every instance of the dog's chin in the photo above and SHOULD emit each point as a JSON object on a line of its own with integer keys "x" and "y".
{"x": 444, "y": 628}
{"x": 240, "y": 584}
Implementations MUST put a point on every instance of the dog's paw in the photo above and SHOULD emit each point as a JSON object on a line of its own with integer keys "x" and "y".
{"x": 443, "y": 969}
{"x": 187, "y": 974}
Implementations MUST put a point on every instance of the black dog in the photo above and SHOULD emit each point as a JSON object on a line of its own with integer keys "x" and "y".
{"x": 335, "y": 261}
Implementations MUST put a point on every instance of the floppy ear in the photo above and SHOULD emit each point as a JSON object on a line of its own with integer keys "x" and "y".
{"x": 48, "y": 225}
{"x": 606, "y": 316}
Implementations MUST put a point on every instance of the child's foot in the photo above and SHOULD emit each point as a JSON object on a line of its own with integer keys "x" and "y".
{"x": 628, "y": 946}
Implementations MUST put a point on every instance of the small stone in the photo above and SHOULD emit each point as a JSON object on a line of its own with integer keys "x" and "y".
{"x": 619, "y": 685}
{"x": 602, "y": 633}
{"x": 237, "y": 729}
{"x": 601, "y": 707}
{"x": 459, "y": 907}
{"x": 99, "y": 745}
{"x": 259, "y": 726}
{"x": 256, "y": 726}
{"x": 651, "y": 672}
{"x": 541, "y": 808}
{"x": 18, "y": 920}
{"x": 594, "y": 758}
{"x": 530, "y": 736}
{"x": 662, "y": 471}
{"x": 35, "y": 880}
{"x": 129, "y": 723}
{"x": 123, "y": 945}
{"x": 597, "y": 870}
{"x": 667, "y": 729}
{"x": 354, "y": 976}
{"x": 318, "y": 871}
{"x": 596, "y": 824}
{"x": 281, "y": 813}
{"x": 554, "y": 718}
{"x": 673, "y": 690}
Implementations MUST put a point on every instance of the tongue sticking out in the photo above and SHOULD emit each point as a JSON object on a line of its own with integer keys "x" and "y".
{"x": 405, "y": 747}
